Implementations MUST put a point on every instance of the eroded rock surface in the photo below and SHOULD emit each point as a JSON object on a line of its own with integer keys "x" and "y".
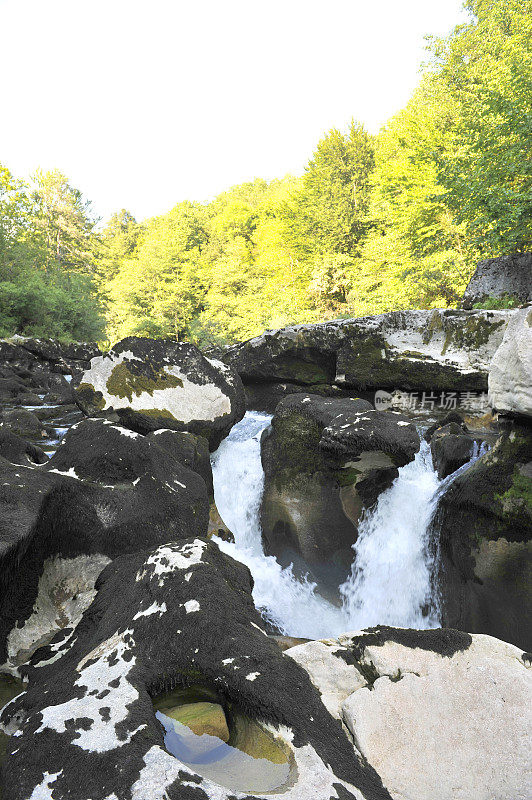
{"x": 178, "y": 615}
{"x": 510, "y": 376}
{"x": 483, "y": 523}
{"x": 440, "y": 715}
{"x": 153, "y": 384}
{"x": 106, "y": 491}
{"x": 411, "y": 350}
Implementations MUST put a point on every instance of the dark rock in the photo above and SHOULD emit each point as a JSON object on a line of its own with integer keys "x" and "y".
{"x": 452, "y": 417}
{"x": 153, "y": 384}
{"x": 165, "y": 619}
{"x": 18, "y": 451}
{"x": 106, "y": 491}
{"x": 450, "y": 449}
{"x": 22, "y": 422}
{"x": 438, "y": 350}
{"x": 380, "y": 432}
{"x": 505, "y": 276}
{"x": 483, "y": 523}
{"x": 190, "y": 450}
{"x": 315, "y": 455}
{"x": 266, "y": 396}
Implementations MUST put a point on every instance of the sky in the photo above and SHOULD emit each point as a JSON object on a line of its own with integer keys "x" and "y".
{"x": 144, "y": 103}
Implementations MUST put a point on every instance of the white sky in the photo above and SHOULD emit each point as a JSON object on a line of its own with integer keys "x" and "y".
{"x": 144, "y": 103}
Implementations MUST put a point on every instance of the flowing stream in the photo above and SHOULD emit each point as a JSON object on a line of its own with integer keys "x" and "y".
{"x": 391, "y": 581}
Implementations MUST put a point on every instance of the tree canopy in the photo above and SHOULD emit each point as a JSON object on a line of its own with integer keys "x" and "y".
{"x": 374, "y": 223}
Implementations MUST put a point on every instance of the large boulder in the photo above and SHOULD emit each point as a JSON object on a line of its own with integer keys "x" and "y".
{"x": 439, "y": 350}
{"x": 510, "y": 375}
{"x": 427, "y": 709}
{"x": 22, "y": 422}
{"x": 482, "y": 524}
{"x": 325, "y": 460}
{"x": 177, "y": 619}
{"x": 500, "y": 278}
{"x": 153, "y": 384}
{"x": 106, "y": 491}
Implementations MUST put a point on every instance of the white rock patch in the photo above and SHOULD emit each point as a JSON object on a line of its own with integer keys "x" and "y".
{"x": 167, "y": 558}
{"x": 191, "y": 401}
{"x": 102, "y": 665}
{"x": 66, "y": 590}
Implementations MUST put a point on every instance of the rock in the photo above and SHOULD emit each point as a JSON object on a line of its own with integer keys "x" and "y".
{"x": 217, "y": 526}
{"x": 500, "y": 278}
{"x": 190, "y": 450}
{"x": 452, "y": 418}
{"x": 153, "y": 384}
{"x": 18, "y": 451}
{"x": 451, "y": 449}
{"x": 23, "y": 423}
{"x": 266, "y": 396}
{"x": 411, "y": 350}
{"x": 304, "y": 515}
{"x": 371, "y": 439}
{"x": 426, "y": 709}
{"x": 29, "y": 399}
{"x": 510, "y": 376}
{"x": 10, "y": 388}
{"x": 483, "y": 523}
{"x": 105, "y": 492}
{"x": 164, "y": 618}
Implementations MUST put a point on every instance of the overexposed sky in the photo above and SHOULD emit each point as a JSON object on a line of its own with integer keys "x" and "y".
{"x": 144, "y": 103}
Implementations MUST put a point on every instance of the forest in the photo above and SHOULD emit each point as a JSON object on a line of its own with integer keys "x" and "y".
{"x": 375, "y": 222}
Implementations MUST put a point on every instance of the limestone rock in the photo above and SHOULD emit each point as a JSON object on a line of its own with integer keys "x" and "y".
{"x": 411, "y": 350}
{"x": 505, "y": 276}
{"x": 510, "y": 376}
{"x": 153, "y": 384}
{"x": 182, "y": 613}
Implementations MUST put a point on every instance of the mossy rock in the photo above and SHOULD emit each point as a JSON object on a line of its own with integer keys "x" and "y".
{"x": 123, "y": 382}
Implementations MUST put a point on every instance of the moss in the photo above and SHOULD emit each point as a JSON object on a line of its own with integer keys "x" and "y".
{"x": 88, "y": 397}
{"x": 517, "y": 500}
{"x": 434, "y": 325}
{"x": 504, "y": 301}
{"x": 348, "y": 476}
{"x": 475, "y": 332}
{"x": 295, "y": 447}
{"x": 156, "y": 413}
{"x": 122, "y": 382}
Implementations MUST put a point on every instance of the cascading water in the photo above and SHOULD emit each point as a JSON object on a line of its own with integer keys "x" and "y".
{"x": 391, "y": 579}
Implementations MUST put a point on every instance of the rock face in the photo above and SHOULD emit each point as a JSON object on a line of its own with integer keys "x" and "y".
{"x": 153, "y": 384}
{"x": 411, "y": 350}
{"x": 178, "y": 615}
{"x": 506, "y": 276}
{"x": 106, "y": 491}
{"x": 483, "y": 523}
{"x": 427, "y": 708}
{"x": 325, "y": 460}
{"x": 510, "y": 376}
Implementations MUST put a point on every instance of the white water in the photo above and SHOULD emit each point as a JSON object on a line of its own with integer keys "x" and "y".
{"x": 391, "y": 579}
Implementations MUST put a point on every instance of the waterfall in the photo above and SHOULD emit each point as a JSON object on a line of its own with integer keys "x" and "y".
{"x": 391, "y": 581}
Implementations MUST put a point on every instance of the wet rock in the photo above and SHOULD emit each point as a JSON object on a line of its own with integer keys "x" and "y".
{"x": 308, "y": 512}
{"x": 500, "y": 278}
{"x": 86, "y": 726}
{"x": 153, "y": 384}
{"x": 453, "y": 418}
{"x": 483, "y": 523}
{"x": 450, "y": 449}
{"x": 510, "y": 376}
{"x": 266, "y": 396}
{"x": 370, "y": 436}
{"x": 438, "y": 350}
{"x": 217, "y": 526}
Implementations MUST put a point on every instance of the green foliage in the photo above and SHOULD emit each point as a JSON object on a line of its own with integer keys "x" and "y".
{"x": 373, "y": 224}
{"x": 505, "y": 301}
